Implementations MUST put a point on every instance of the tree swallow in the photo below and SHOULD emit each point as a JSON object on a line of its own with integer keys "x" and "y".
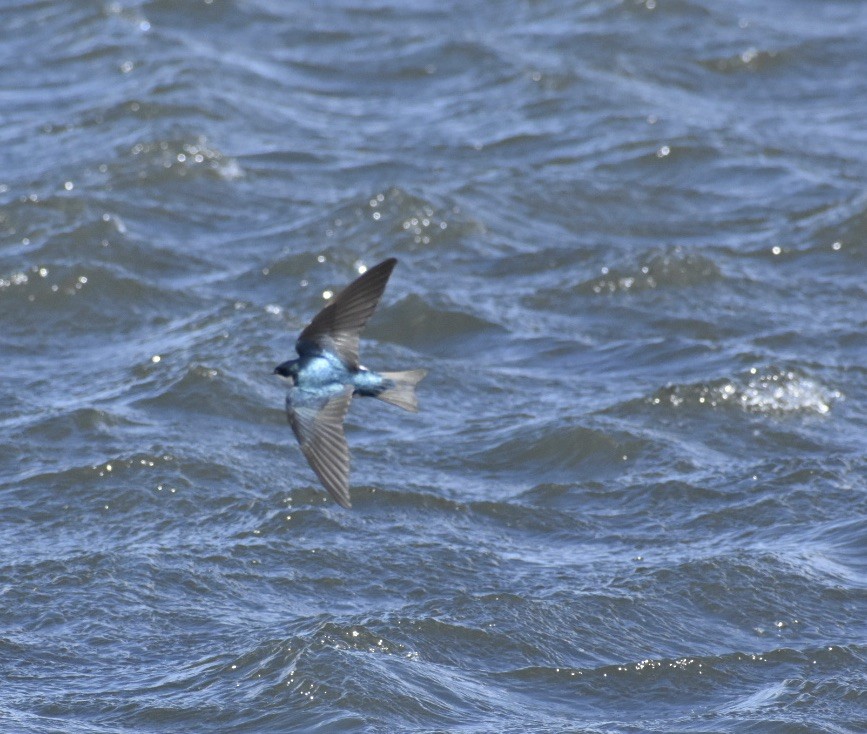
{"x": 327, "y": 374}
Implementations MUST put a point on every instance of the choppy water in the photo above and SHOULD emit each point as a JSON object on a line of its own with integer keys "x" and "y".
{"x": 632, "y": 255}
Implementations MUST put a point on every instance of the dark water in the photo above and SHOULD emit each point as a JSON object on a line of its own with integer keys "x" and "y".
{"x": 633, "y": 248}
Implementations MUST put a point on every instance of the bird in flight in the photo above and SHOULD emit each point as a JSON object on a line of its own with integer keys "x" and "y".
{"x": 327, "y": 374}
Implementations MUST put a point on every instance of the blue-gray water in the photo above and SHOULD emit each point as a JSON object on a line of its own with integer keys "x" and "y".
{"x": 633, "y": 255}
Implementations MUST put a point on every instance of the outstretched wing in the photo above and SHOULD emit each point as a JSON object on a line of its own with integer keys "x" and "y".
{"x": 318, "y": 425}
{"x": 337, "y": 326}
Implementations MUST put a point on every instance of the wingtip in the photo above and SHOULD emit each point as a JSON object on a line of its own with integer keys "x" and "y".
{"x": 387, "y": 264}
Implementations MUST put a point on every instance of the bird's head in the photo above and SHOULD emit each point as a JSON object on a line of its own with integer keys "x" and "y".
{"x": 288, "y": 371}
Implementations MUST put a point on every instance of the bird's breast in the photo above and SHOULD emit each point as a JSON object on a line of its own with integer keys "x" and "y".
{"x": 320, "y": 371}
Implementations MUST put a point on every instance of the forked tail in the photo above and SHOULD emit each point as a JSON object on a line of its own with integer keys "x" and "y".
{"x": 403, "y": 393}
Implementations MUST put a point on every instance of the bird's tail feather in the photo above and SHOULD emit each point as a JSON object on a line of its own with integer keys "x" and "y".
{"x": 403, "y": 393}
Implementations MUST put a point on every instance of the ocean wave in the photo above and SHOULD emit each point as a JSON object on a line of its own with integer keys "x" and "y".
{"x": 437, "y": 329}
{"x": 751, "y": 59}
{"x": 671, "y": 268}
{"x": 558, "y": 452}
{"x": 704, "y": 670}
{"x": 771, "y": 390}
{"x": 160, "y": 160}
{"x": 395, "y": 220}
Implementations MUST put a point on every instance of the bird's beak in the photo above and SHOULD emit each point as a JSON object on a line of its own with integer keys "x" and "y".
{"x": 286, "y": 371}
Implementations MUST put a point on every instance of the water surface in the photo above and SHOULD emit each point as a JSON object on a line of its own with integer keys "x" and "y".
{"x": 632, "y": 256}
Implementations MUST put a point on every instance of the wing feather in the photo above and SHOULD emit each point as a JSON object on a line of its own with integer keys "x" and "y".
{"x": 337, "y": 326}
{"x": 318, "y": 425}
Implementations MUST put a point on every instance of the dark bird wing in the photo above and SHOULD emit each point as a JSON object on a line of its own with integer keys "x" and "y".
{"x": 318, "y": 425}
{"x": 337, "y": 326}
